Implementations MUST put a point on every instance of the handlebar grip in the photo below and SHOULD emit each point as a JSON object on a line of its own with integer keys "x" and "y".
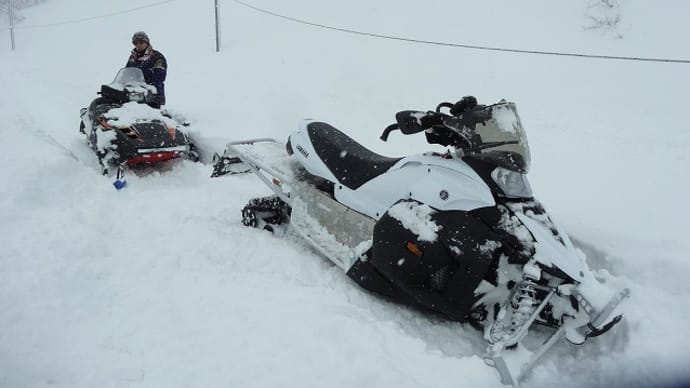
{"x": 388, "y": 130}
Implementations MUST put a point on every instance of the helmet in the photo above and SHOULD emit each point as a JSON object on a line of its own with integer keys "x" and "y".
{"x": 140, "y": 35}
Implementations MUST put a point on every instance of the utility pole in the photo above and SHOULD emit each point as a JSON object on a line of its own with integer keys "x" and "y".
{"x": 11, "y": 22}
{"x": 217, "y": 26}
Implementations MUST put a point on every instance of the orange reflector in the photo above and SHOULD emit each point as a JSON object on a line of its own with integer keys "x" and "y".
{"x": 414, "y": 249}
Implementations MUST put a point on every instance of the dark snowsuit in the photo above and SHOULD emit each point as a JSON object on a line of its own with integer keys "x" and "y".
{"x": 154, "y": 66}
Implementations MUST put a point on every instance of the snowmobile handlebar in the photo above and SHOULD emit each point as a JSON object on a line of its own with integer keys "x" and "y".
{"x": 129, "y": 93}
{"x": 388, "y": 130}
{"x": 410, "y": 122}
{"x": 443, "y": 105}
{"x": 443, "y": 128}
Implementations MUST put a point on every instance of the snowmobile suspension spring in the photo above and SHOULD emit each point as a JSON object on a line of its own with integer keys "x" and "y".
{"x": 524, "y": 301}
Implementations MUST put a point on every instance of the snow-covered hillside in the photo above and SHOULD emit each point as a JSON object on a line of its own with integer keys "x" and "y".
{"x": 159, "y": 285}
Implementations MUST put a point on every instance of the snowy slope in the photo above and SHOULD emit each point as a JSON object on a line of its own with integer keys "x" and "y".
{"x": 160, "y": 286}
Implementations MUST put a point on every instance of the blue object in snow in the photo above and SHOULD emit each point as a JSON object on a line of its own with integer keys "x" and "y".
{"x": 120, "y": 184}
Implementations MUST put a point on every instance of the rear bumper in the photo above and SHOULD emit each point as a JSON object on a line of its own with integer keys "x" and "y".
{"x": 153, "y": 157}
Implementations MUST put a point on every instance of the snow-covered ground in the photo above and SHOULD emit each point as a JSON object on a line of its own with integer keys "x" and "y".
{"x": 159, "y": 285}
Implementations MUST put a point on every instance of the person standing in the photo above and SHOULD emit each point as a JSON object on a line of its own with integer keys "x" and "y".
{"x": 151, "y": 62}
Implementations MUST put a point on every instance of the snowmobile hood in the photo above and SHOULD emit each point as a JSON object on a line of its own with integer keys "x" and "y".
{"x": 152, "y": 135}
{"x": 149, "y": 142}
{"x": 131, "y": 113}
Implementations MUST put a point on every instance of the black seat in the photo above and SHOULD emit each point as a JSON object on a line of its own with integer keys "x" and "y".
{"x": 351, "y": 163}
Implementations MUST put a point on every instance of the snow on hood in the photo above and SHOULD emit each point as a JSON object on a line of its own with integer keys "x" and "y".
{"x": 134, "y": 112}
{"x": 416, "y": 218}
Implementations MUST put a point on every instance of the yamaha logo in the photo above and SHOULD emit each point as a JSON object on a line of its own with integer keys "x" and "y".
{"x": 302, "y": 151}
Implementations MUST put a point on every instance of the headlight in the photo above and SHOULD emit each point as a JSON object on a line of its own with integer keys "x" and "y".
{"x": 513, "y": 184}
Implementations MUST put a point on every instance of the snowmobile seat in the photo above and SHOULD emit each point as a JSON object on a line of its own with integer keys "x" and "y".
{"x": 114, "y": 95}
{"x": 349, "y": 161}
{"x": 99, "y": 107}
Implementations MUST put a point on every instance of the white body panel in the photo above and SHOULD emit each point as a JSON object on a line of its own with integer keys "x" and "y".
{"x": 305, "y": 154}
{"x": 418, "y": 177}
{"x": 551, "y": 252}
{"x": 421, "y": 178}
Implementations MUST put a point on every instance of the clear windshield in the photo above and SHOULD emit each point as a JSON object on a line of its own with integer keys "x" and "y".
{"x": 131, "y": 80}
{"x": 129, "y": 76}
{"x": 501, "y": 139}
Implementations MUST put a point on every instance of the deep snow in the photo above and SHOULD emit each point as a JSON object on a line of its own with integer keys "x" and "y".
{"x": 159, "y": 284}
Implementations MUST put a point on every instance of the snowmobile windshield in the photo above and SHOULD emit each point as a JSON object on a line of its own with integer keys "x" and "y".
{"x": 128, "y": 76}
{"x": 496, "y": 136}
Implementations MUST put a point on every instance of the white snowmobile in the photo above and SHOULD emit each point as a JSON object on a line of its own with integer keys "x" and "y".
{"x": 455, "y": 233}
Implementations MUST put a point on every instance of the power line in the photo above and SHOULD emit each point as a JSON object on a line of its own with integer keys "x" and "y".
{"x": 95, "y": 17}
{"x": 460, "y": 45}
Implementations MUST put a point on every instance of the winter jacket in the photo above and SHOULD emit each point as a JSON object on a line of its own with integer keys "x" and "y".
{"x": 154, "y": 66}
